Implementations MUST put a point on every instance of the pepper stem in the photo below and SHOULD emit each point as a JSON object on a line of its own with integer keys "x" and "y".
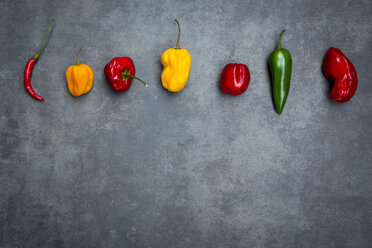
{"x": 280, "y": 39}
{"x": 77, "y": 56}
{"x": 179, "y": 34}
{"x": 126, "y": 74}
{"x": 36, "y": 56}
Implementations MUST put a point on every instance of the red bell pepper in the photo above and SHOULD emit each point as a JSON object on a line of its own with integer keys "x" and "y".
{"x": 338, "y": 69}
{"x": 235, "y": 79}
{"x": 120, "y": 72}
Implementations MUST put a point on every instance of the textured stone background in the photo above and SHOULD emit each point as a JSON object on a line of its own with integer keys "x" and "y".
{"x": 148, "y": 168}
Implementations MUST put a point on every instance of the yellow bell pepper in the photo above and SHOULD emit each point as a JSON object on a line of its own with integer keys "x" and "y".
{"x": 176, "y": 66}
{"x": 79, "y": 77}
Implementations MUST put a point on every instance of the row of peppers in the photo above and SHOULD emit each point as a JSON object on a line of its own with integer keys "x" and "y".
{"x": 235, "y": 78}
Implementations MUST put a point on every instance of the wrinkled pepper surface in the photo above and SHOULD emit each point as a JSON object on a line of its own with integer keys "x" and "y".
{"x": 339, "y": 70}
{"x": 280, "y": 62}
{"x": 176, "y": 66}
{"x": 79, "y": 77}
{"x": 235, "y": 79}
{"x": 120, "y": 72}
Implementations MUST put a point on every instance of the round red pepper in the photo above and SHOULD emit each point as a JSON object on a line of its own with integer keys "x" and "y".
{"x": 338, "y": 69}
{"x": 235, "y": 79}
{"x": 120, "y": 72}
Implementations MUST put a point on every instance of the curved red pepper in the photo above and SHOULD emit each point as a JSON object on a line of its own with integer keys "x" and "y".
{"x": 27, "y": 79}
{"x": 338, "y": 69}
{"x": 235, "y": 79}
{"x": 30, "y": 66}
{"x": 120, "y": 72}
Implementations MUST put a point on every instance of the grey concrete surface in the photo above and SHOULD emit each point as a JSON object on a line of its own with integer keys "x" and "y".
{"x": 148, "y": 168}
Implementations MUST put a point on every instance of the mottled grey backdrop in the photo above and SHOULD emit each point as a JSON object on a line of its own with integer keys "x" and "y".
{"x": 148, "y": 168}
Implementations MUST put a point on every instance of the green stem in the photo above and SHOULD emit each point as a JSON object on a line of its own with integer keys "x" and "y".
{"x": 126, "y": 74}
{"x": 77, "y": 56}
{"x": 179, "y": 34}
{"x": 280, "y": 39}
{"x": 144, "y": 83}
{"x": 36, "y": 56}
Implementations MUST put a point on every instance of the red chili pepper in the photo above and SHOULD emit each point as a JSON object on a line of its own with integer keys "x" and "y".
{"x": 235, "y": 79}
{"x": 29, "y": 67}
{"x": 338, "y": 69}
{"x": 120, "y": 72}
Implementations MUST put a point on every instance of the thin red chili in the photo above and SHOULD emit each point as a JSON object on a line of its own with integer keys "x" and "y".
{"x": 30, "y": 65}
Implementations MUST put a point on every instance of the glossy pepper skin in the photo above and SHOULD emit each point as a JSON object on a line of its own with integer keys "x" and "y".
{"x": 176, "y": 66}
{"x": 339, "y": 70}
{"x": 280, "y": 62}
{"x": 79, "y": 77}
{"x": 27, "y": 79}
{"x": 120, "y": 72}
{"x": 30, "y": 66}
{"x": 235, "y": 79}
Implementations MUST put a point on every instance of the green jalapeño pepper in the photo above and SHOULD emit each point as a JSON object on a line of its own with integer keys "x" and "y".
{"x": 280, "y": 62}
